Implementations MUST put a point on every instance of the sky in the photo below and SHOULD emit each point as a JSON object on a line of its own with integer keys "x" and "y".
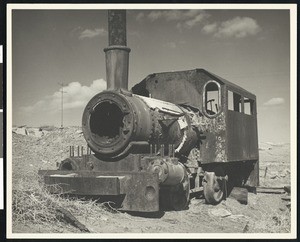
{"x": 250, "y": 48}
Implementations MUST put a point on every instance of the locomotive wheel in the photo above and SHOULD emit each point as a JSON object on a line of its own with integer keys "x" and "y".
{"x": 212, "y": 188}
{"x": 180, "y": 195}
{"x": 176, "y": 197}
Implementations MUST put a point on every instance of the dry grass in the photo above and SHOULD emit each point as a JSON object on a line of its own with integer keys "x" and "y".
{"x": 33, "y": 204}
{"x": 261, "y": 215}
{"x": 272, "y": 222}
{"x": 35, "y": 209}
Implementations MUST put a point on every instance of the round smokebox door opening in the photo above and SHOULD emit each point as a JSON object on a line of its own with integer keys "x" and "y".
{"x": 106, "y": 122}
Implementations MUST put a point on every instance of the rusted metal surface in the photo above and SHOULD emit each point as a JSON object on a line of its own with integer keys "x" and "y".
{"x": 253, "y": 178}
{"x": 138, "y": 191}
{"x": 224, "y": 136}
{"x": 117, "y": 27}
{"x": 117, "y": 54}
{"x": 183, "y": 87}
{"x": 274, "y": 190}
{"x": 135, "y": 178}
{"x": 90, "y": 184}
{"x": 115, "y": 123}
{"x": 117, "y": 64}
{"x": 170, "y": 171}
{"x": 174, "y": 87}
{"x": 241, "y": 137}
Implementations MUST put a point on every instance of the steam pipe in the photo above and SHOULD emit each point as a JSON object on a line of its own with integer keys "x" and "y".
{"x": 117, "y": 53}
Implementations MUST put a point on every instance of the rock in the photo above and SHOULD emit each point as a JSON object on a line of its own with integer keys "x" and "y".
{"x": 22, "y": 131}
{"x": 240, "y": 194}
{"x": 197, "y": 201}
{"x": 287, "y": 189}
{"x": 37, "y": 133}
{"x": 287, "y": 198}
{"x": 283, "y": 208}
{"x": 246, "y": 228}
{"x": 104, "y": 218}
{"x": 220, "y": 212}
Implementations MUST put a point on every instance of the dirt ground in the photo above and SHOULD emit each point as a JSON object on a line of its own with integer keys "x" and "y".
{"x": 34, "y": 150}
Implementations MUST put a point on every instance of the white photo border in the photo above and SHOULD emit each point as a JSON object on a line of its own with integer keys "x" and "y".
{"x": 293, "y": 119}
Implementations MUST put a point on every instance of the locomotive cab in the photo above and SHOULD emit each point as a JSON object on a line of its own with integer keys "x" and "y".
{"x": 227, "y": 122}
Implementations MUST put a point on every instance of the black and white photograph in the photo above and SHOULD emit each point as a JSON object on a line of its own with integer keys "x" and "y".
{"x": 151, "y": 121}
{"x": 1, "y": 107}
{"x": 1, "y": 163}
{"x": 1, "y": 77}
{"x": 1, "y": 135}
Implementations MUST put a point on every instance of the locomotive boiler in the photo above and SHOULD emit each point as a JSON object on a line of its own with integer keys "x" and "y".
{"x": 174, "y": 135}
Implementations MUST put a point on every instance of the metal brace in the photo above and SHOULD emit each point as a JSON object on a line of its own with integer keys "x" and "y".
{"x": 222, "y": 178}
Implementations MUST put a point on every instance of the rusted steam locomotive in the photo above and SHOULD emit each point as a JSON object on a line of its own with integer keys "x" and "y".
{"x": 173, "y": 135}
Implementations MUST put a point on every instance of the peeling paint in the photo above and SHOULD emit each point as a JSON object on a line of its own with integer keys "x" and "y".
{"x": 215, "y": 144}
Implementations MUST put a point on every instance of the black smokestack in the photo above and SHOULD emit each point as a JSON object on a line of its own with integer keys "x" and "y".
{"x": 117, "y": 54}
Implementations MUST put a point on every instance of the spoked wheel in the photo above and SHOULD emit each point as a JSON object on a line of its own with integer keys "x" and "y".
{"x": 213, "y": 188}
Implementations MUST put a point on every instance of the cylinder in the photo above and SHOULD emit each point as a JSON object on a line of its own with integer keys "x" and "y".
{"x": 176, "y": 174}
{"x": 169, "y": 173}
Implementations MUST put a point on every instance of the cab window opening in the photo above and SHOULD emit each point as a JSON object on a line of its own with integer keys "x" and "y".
{"x": 212, "y": 98}
{"x": 248, "y": 106}
{"x": 234, "y": 102}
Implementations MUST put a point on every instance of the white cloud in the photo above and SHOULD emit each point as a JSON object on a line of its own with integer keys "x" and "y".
{"x": 75, "y": 96}
{"x": 238, "y": 27}
{"x": 184, "y": 18}
{"x": 276, "y": 101}
{"x": 91, "y": 33}
{"x": 194, "y": 21}
{"x": 210, "y": 28}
